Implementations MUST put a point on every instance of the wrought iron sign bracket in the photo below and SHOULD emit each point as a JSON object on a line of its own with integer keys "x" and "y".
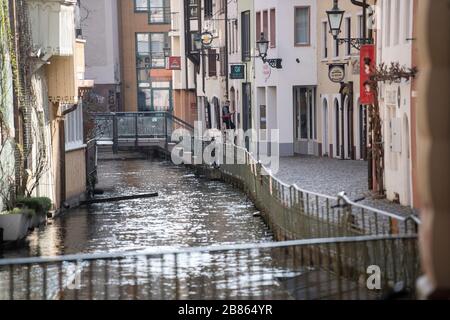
{"x": 274, "y": 63}
{"x": 355, "y": 42}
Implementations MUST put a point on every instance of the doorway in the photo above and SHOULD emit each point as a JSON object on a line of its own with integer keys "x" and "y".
{"x": 305, "y": 116}
{"x": 326, "y": 145}
{"x": 337, "y": 140}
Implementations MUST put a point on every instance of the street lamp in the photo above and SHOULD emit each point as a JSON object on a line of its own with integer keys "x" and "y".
{"x": 335, "y": 18}
{"x": 262, "y": 46}
{"x": 167, "y": 52}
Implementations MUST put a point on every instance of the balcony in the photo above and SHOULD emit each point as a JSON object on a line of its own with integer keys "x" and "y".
{"x": 53, "y": 31}
{"x": 66, "y": 76}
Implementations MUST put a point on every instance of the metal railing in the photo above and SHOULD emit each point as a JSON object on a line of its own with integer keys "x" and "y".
{"x": 294, "y": 213}
{"x": 137, "y": 127}
{"x": 337, "y": 268}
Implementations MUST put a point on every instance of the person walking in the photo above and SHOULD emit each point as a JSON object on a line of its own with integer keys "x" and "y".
{"x": 227, "y": 116}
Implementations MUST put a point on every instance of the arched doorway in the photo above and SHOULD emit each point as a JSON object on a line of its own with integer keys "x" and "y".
{"x": 326, "y": 144}
{"x": 208, "y": 123}
{"x": 217, "y": 117}
{"x": 362, "y": 132}
{"x": 337, "y": 127}
{"x": 346, "y": 132}
{"x": 233, "y": 104}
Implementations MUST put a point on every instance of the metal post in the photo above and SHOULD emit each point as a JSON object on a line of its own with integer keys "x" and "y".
{"x": 115, "y": 135}
{"x": 136, "y": 130}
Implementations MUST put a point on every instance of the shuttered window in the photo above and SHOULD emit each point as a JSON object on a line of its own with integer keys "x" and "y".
{"x": 212, "y": 63}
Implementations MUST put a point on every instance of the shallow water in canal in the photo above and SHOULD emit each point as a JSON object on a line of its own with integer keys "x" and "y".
{"x": 190, "y": 211}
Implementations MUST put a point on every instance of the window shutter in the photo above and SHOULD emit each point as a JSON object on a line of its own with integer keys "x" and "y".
{"x": 212, "y": 63}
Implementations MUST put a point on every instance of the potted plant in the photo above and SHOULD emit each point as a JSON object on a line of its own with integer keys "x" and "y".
{"x": 15, "y": 223}
{"x": 40, "y": 206}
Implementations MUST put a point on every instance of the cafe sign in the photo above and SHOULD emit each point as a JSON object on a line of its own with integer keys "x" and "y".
{"x": 336, "y": 73}
{"x": 237, "y": 71}
{"x": 174, "y": 63}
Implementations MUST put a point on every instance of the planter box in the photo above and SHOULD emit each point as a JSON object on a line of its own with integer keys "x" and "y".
{"x": 15, "y": 226}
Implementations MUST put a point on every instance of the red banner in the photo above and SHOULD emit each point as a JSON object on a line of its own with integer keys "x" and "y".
{"x": 368, "y": 65}
{"x": 174, "y": 63}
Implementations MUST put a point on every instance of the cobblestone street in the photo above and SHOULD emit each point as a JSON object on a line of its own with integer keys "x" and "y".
{"x": 331, "y": 176}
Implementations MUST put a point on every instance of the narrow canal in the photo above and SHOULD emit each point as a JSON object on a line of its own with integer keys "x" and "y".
{"x": 189, "y": 212}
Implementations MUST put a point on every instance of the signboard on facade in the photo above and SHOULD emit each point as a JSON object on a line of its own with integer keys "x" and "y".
{"x": 367, "y": 67}
{"x": 336, "y": 73}
{"x": 237, "y": 71}
{"x": 174, "y": 63}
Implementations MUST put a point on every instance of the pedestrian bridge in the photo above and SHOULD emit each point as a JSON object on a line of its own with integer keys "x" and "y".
{"x": 137, "y": 130}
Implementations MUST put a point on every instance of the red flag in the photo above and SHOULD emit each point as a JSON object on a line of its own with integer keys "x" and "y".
{"x": 368, "y": 65}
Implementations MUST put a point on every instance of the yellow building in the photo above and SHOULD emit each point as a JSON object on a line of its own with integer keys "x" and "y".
{"x": 58, "y": 81}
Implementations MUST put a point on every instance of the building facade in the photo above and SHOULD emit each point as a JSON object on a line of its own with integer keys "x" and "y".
{"x": 394, "y": 44}
{"x": 144, "y": 28}
{"x": 342, "y": 119}
{"x": 286, "y": 97}
{"x": 183, "y": 69}
{"x": 59, "y": 83}
{"x": 99, "y": 22}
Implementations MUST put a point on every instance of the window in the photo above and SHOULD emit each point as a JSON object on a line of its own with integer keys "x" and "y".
{"x": 212, "y": 63}
{"x": 159, "y": 11}
{"x": 154, "y": 96}
{"x": 348, "y": 34}
{"x": 266, "y": 23}
{"x": 360, "y": 26}
{"x": 140, "y": 5}
{"x": 325, "y": 39}
{"x": 387, "y": 23}
{"x": 397, "y": 22}
{"x": 245, "y": 36}
{"x": 336, "y": 48}
{"x": 262, "y": 117}
{"x": 305, "y": 113}
{"x": 73, "y": 128}
{"x": 407, "y": 16}
{"x": 150, "y": 50}
{"x": 193, "y": 9}
{"x": 258, "y": 24}
{"x": 208, "y": 9}
{"x": 223, "y": 66}
{"x": 273, "y": 29}
{"x": 302, "y": 26}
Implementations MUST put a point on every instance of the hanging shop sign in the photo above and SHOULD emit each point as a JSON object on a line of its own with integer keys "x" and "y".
{"x": 207, "y": 38}
{"x": 367, "y": 67}
{"x": 237, "y": 71}
{"x": 174, "y": 63}
{"x": 336, "y": 72}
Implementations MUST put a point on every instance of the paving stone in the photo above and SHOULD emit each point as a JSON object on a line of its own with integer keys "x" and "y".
{"x": 332, "y": 176}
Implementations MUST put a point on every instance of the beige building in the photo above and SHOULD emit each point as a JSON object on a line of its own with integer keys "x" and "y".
{"x": 58, "y": 148}
{"x": 342, "y": 120}
{"x": 143, "y": 35}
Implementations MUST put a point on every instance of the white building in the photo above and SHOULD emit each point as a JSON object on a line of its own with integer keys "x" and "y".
{"x": 286, "y": 98}
{"x": 99, "y": 22}
{"x": 183, "y": 80}
{"x": 212, "y": 77}
{"x": 395, "y": 45}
